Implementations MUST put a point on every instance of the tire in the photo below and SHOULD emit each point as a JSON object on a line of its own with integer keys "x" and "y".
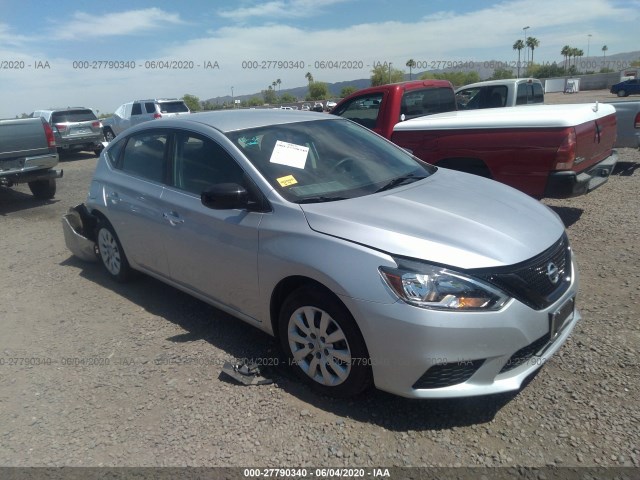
{"x": 622, "y": 93}
{"x": 43, "y": 189}
{"x": 97, "y": 152}
{"x": 338, "y": 368}
{"x": 108, "y": 135}
{"x": 111, "y": 253}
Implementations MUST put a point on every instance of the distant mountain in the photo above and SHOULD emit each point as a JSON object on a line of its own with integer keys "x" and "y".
{"x": 618, "y": 61}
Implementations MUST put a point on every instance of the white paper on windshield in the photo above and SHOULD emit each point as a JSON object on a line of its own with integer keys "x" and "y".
{"x": 289, "y": 154}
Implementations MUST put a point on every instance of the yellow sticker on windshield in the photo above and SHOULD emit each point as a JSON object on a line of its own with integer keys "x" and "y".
{"x": 287, "y": 181}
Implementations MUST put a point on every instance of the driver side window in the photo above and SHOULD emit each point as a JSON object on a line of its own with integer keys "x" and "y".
{"x": 200, "y": 162}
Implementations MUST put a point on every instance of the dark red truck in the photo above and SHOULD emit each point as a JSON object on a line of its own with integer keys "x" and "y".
{"x": 543, "y": 150}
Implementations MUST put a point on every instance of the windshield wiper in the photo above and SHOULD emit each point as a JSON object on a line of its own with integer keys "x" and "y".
{"x": 410, "y": 178}
{"x": 321, "y": 198}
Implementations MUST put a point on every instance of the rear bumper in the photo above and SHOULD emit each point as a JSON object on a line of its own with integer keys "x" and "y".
{"x": 571, "y": 184}
{"x": 77, "y": 225}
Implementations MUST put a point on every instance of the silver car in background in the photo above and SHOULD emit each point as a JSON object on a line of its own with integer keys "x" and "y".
{"x": 369, "y": 265}
{"x": 74, "y": 128}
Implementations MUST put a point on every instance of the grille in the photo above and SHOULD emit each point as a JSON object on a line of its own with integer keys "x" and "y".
{"x": 524, "y": 354}
{"x": 529, "y": 281}
{"x": 447, "y": 374}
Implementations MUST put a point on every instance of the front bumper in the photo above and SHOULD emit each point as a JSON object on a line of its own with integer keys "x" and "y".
{"x": 418, "y": 353}
{"x": 568, "y": 183}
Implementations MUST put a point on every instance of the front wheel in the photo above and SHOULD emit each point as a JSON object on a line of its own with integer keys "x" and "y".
{"x": 43, "y": 189}
{"x": 622, "y": 93}
{"x": 323, "y": 343}
{"x": 111, "y": 253}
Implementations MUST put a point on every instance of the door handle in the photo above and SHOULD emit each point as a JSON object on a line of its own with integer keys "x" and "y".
{"x": 173, "y": 218}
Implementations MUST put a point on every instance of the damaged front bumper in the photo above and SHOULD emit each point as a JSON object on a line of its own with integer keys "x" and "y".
{"x": 78, "y": 226}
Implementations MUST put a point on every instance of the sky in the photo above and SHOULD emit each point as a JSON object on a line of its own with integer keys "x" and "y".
{"x": 103, "y": 54}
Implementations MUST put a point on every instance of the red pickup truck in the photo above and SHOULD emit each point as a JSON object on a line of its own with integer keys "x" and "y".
{"x": 554, "y": 151}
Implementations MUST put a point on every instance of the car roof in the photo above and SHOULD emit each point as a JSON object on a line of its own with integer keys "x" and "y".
{"x": 233, "y": 120}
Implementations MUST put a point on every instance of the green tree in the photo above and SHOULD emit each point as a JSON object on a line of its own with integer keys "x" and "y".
{"x": 269, "y": 95}
{"x": 501, "y": 73}
{"x": 348, "y": 90}
{"x": 383, "y": 73}
{"x": 279, "y": 82}
{"x": 635, "y": 63}
{"x": 287, "y": 98}
{"x": 518, "y": 45}
{"x": 411, "y": 63}
{"x": 458, "y": 79}
{"x": 192, "y": 102}
{"x": 318, "y": 91}
{"x": 546, "y": 71}
{"x": 309, "y": 77}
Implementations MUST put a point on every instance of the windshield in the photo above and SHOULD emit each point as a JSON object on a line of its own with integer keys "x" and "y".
{"x": 326, "y": 160}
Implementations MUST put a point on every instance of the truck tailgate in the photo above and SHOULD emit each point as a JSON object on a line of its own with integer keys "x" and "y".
{"x": 22, "y": 138}
{"x": 594, "y": 141}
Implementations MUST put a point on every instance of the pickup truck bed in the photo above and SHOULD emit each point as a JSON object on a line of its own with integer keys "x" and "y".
{"x": 545, "y": 151}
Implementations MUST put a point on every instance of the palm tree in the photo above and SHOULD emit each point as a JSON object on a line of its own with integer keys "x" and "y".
{"x": 309, "y": 77}
{"x": 604, "y": 56}
{"x": 565, "y": 52}
{"x": 411, "y": 63}
{"x": 519, "y": 45}
{"x": 532, "y": 43}
{"x": 579, "y": 52}
{"x": 279, "y": 82}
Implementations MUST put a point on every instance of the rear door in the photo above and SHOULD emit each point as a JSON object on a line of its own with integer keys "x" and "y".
{"x": 133, "y": 195}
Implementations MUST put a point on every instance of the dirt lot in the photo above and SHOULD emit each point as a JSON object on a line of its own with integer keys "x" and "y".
{"x": 93, "y": 373}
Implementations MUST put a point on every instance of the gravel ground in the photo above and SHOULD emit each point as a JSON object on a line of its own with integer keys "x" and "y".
{"x": 93, "y": 373}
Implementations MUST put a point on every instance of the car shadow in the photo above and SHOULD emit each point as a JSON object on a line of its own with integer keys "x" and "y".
{"x": 76, "y": 156}
{"x": 568, "y": 215}
{"x": 242, "y": 341}
{"x": 625, "y": 169}
{"x": 15, "y": 201}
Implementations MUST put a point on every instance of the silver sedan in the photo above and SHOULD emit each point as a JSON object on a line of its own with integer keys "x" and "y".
{"x": 371, "y": 266}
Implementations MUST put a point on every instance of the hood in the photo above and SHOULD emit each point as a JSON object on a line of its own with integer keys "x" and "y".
{"x": 449, "y": 218}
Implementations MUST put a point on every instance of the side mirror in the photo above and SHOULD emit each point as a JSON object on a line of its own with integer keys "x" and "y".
{"x": 225, "y": 196}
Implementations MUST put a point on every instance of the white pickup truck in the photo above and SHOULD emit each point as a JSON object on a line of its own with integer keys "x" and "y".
{"x": 509, "y": 92}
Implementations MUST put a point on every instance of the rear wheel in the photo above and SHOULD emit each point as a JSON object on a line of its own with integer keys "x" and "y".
{"x": 111, "y": 253}
{"x": 43, "y": 189}
{"x": 323, "y": 343}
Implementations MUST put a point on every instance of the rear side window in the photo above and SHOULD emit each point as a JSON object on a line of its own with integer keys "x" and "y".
{"x": 144, "y": 156}
{"x": 529, "y": 93}
{"x": 363, "y": 110}
{"x": 150, "y": 107}
{"x": 417, "y": 103}
{"x": 172, "y": 107}
{"x": 80, "y": 115}
{"x": 136, "y": 109}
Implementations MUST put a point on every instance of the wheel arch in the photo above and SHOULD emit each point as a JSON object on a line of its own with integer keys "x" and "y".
{"x": 288, "y": 285}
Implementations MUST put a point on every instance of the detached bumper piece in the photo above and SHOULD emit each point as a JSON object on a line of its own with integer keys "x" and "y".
{"x": 78, "y": 226}
{"x": 247, "y": 373}
{"x": 571, "y": 184}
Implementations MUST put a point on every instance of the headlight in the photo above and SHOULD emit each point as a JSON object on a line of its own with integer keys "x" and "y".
{"x": 439, "y": 288}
